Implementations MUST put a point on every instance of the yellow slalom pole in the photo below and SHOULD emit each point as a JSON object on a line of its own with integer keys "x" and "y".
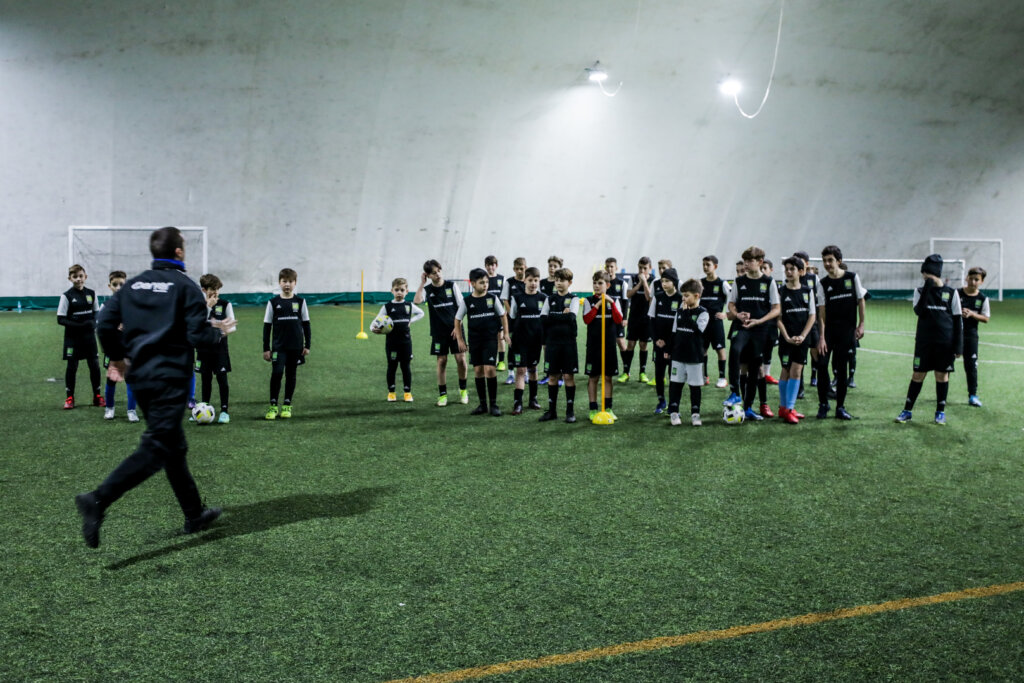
{"x": 603, "y": 417}
{"x": 362, "y": 333}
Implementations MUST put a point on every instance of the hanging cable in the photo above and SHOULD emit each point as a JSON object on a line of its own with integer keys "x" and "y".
{"x": 771, "y": 77}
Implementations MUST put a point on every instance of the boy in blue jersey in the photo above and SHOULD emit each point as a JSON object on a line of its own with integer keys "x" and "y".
{"x": 398, "y": 344}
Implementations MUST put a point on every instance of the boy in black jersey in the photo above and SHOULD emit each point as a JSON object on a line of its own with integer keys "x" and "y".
{"x": 560, "y": 355}
{"x": 638, "y": 327}
{"x": 596, "y": 307}
{"x": 617, "y": 290}
{"x": 938, "y": 340}
{"x": 398, "y": 343}
{"x": 547, "y": 285}
{"x": 512, "y": 286}
{"x": 768, "y": 268}
{"x": 495, "y": 286}
{"x": 714, "y": 297}
{"x": 215, "y": 360}
{"x": 526, "y": 329}
{"x": 975, "y": 310}
{"x": 794, "y": 325}
{"x": 287, "y": 321}
{"x": 115, "y": 281}
{"x": 809, "y": 279}
{"x": 688, "y": 353}
{"x": 841, "y": 310}
{"x": 442, "y": 298}
{"x": 753, "y": 306}
{"x": 662, "y": 312}
{"x": 76, "y": 313}
{"x": 487, "y": 321}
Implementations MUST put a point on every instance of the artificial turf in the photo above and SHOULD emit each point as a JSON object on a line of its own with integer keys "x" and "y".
{"x": 366, "y": 541}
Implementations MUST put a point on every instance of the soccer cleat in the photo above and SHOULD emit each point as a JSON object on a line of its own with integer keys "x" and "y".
{"x": 479, "y": 410}
{"x": 591, "y": 414}
{"x": 674, "y": 420}
{"x": 495, "y": 411}
{"x": 203, "y": 521}
{"x": 69, "y": 403}
{"x": 99, "y": 401}
{"x": 547, "y": 416}
{"x": 517, "y": 408}
{"x": 766, "y": 410}
{"x": 851, "y": 384}
{"x": 511, "y": 379}
{"x": 623, "y": 378}
{"x": 570, "y": 418}
{"x": 272, "y": 412}
{"x": 92, "y": 518}
{"x": 132, "y": 416}
{"x": 750, "y": 414}
{"x": 842, "y": 414}
{"x": 644, "y": 379}
{"x": 392, "y": 397}
{"x": 442, "y": 401}
{"x": 612, "y": 415}
{"x": 814, "y": 381}
{"x": 652, "y": 382}
{"x": 534, "y": 405}
{"x": 501, "y": 365}
{"x": 822, "y": 411}
{"x": 799, "y": 416}
{"x": 660, "y": 408}
{"x": 770, "y": 379}
{"x": 463, "y": 396}
{"x": 800, "y": 394}
{"x": 974, "y": 401}
{"x": 722, "y": 383}
{"x": 108, "y": 413}
{"x": 286, "y": 412}
{"x": 904, "y": 416}
{"x": 224, "y": 418}
{"x": 191, "y": 403}
{"x": 940, "y": 417}
{"x": 789, "y": 417}
{"x": 733, "y": 399}
{"x": 407, "y": 397}
{"x": 542, "y": 381}
{"x": 695, "y": 420}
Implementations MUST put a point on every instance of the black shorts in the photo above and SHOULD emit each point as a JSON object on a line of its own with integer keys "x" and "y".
{"x": 80, "y": 348}
{"x": 714, "y": 333}
{"x": 928, "y": 357}
{"x": 524, "y": 353}
{"x": 561, "y": 359}
{"x": 748, "y": 344}
{"x": 285, "y": 359}
{"x": 399, "y": 350}
{"x": 639, "y": 327}
{"x": 771, "y": 341}
{"x": 216, "y": 362}
{"x": 483, "y": 351}
{"x": 620, "y": 331}
{"x": 812, "y": 337}
{"x": 592, "y": 367}
{"x": 790, "y": 353}
{"x": 442, "y": 346}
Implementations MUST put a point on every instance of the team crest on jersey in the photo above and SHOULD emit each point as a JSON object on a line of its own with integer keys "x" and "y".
{"x": 448, "y": 292}
{"x": 88, "y": 298}
{"x": 295, "y": 307}
{"x": 70, "y": 351}
{"x": 675, "y": 305}
{"x": 945, "y": 296}
{"x": 408, "y": 309}
{"x": 764, "y": 286}
{"x": 807, "y": 298}
{"x": 977, "y": 303}
{"x": 848, "y": 284}
{"x": 715, "y": 289}
{"x": 734, "y": 333}
{"x": 218, "y": 310}
{"x": 490, "y": 303}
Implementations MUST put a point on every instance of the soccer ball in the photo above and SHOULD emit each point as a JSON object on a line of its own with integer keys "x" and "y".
{"x": 733, "y": 414}
{"x": 203, "y": 413}
{"x": 382, "y": 324}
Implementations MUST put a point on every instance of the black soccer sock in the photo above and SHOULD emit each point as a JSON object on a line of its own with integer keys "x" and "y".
{"x": 643, "y": 360}
{"x": 694, "y": 400}
{"x": 406, "y": 376}
{"x": 94, "y": 375}
{"x": 675, "y": 393}
{"x": 517, "y": 397}
{"x": 207, "y": 388}
{"x": 275, "y": 387}
{"x": 290, "y": 375}
{"x": 749, "y": 390}
{"x": 463, "y": 384}
{"x": 762, "y": 390}
{"x": 704, "y": 365}
{"x": 442, "y": 389}
{"x": 735, "y": 378}
{"x": 842, "y": 379}
{"x": 553, "y": 394}
{"x": 69, "y": 377}
{"x": 941, "y": 394}
{"x": 570, "y": 397}
{"x": 481, "y": 390}
{"x": 814, "y": 371}
{"x": 392, "y": 374}
{"x": 823, "y": 384}
{"x": 501, "y": 356}
{"x": 608, "y": 403}
{"x": 721, "y": 369}
{"x": 594, "y": 405}
{"x": 627, "y": 360}
{"x": 222, "y": 386}
{"x": 492, "y": 390}
{"x": 533, "y": 390}
{"x": 913, "y": 392}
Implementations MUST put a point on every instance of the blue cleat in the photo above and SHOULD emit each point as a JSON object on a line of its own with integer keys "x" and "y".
{"x": 904, "y": 416}
{"x": 940, "y": 418}
{"x": 661, "y": 407}
{"x": 822, "y": 411}
{"x": 751, "y": 415}
{"x": 733, "y": 399}
{"x": 542, "y": 381}
{"x": 974, "y": 401}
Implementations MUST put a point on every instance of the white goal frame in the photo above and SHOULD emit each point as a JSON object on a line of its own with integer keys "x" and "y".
{"x": 72, "y": 229}
{"x": 979, "y": 240}
{"x": 903, "y": 261}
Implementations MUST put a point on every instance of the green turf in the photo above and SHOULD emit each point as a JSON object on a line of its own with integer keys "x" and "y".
{"x": 365, "y": 541}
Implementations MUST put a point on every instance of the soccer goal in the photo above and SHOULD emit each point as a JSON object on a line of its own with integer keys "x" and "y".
{"x": 984, "y": 252}
{"x": 896, "y": 278}
{"x": 101, "y": 249}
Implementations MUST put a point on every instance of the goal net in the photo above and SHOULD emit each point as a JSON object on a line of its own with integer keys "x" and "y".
{"x": 987, "y": 253}
{"x": 896, "y": 278}
{"x": 101, "y": 249}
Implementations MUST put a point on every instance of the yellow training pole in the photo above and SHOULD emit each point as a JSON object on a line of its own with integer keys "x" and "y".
{"x": 362, "y": 334}
{"x": 603, "y": 417}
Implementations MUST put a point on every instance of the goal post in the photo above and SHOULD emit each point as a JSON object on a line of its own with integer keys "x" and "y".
{"x": 897, "y": 278}
{"x": 976, "y": 251}
{"x": 101, "y": 249}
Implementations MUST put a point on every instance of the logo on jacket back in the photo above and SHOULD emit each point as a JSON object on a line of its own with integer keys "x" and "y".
{"x": 158, "y": 287}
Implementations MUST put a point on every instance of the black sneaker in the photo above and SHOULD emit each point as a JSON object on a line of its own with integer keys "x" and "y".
{"x": 800, "y": 395}
{"x": 822, "y": 411}
{"x": 92, "y": 517}
{"x": 479, "y": 410}
{"x": 841, "y": 414}
{"x": 547, "y": 416}
{"x": 517, "y": 408}
{"x": 570, "y": 418}
{"x": 203, "y": 521}
{"x": 534, "y": 405}
{"x": 495, "y": 411}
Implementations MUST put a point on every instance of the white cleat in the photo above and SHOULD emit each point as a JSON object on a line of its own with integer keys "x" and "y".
{"x": 675, "y": 419}
{"x": 108, "y": 414}
{"x": 695, "y": 420}
{"x": 722, "y": 383}
{"x": 133, "y": 416}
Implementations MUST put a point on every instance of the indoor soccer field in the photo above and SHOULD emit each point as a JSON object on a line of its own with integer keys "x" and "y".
{"x": 366, "y": 541}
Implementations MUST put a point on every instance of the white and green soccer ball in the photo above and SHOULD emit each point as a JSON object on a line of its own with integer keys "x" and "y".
{"x": 382, "y": 324}
{"x": 733, "y": 414}
{"x": 203, "y": 413}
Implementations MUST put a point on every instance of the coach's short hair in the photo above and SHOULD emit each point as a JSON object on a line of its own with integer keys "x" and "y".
{"x": 164, "y": 241}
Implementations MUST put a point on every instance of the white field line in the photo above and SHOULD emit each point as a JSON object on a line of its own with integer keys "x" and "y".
{"x": 910, "y": 355}
{"x": 980, "y": 343}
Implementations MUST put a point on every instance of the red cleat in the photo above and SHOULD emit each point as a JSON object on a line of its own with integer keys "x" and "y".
{"x": 770, "y": 379}
{"x": 766, "y": 410}
{"x": 707, "y": 380}
{"x": 69, "y": 403}
{"x": 799, "y": 416}
{"x": 99, "y": 401}
{"x": 789, "y": 416}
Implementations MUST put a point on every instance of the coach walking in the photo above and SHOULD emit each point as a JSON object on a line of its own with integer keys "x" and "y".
{"x": 149, "y": 329}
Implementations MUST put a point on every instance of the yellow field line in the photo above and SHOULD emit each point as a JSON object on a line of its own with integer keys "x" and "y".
{"x": 707, "y": 636}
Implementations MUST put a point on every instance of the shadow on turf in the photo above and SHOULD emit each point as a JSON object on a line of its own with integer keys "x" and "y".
{"x": 239, "y": 520}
